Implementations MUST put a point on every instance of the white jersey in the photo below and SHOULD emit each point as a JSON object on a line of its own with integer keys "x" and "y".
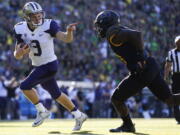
{"x": 174, "y": 58}
{"x": 40, "y": 41}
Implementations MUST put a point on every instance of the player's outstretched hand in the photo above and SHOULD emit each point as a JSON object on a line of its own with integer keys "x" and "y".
{"x": 72, "y": 27}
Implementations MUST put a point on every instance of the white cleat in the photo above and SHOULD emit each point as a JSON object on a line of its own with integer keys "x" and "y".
{"x": 79, "y": 122}
{"x": 41, "y": 116}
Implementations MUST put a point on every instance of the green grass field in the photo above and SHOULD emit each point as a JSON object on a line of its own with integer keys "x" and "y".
{"x": 90, "y": 127}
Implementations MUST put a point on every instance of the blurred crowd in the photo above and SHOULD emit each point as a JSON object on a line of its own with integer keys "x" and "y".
{"x": 95, "y": 102}
{"x": 88, "y": 58}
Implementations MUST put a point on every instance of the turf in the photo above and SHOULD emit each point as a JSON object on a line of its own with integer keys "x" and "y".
{"x": 90, "y": 127}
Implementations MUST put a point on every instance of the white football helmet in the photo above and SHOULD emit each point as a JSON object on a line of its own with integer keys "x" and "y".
{"x": 32, "y": 8}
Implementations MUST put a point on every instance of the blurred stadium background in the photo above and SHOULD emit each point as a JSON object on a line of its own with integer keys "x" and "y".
{"x": 88, "y": 70}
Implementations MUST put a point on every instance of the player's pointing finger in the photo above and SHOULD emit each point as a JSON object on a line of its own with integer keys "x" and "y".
{"x": 74, "y": 24}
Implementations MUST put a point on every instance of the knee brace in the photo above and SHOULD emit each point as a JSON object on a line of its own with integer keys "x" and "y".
{"x": 173, "y": 100}
{"x": 25, "y": 86}
{"x": 52, "y": 87}
{"x": 55, "y": 94}
{"x": 115, "y": 98}
{"x": 169, "y": 101}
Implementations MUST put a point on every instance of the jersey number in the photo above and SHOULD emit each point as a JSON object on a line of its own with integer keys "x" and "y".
{"x": 36, "y": 44}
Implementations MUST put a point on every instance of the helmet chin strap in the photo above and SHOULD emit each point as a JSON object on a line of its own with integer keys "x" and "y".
{"x": 39, "y": 24}
{"x": 33, "y": 25}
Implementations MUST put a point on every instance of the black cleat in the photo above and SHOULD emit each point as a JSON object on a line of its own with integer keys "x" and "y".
{"x": 124, "y": 128}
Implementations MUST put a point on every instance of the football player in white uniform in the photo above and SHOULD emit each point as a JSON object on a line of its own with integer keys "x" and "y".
{"x": 35, "y": 37}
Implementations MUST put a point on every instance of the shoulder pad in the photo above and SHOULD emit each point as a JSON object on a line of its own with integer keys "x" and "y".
{"x": 19, "y": 23}
{"x": 19, "y": 27}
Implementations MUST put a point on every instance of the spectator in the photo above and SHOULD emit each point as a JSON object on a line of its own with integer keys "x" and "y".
{"x": 11, "y": 85}
{"x": 3, "y": 100}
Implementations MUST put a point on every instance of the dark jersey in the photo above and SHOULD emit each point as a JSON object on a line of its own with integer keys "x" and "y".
{"x": 127, "y": 45}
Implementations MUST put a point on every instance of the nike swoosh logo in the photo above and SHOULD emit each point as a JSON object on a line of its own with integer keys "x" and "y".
{"x": 37, "y": 122}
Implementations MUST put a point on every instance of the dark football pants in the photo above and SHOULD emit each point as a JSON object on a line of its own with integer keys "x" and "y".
{"x": 150, "y": 77}
{"x": 175, "y": 90}
{"x": 44, "y": 75}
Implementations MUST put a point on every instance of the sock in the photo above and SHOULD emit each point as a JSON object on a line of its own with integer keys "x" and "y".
{"x": 40, "y": 107}
{"x": 76, "y": 113}
{"x": 127, "y": 120}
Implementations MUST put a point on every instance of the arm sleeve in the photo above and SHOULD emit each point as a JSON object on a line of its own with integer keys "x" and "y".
{"x": 54, "y": 28}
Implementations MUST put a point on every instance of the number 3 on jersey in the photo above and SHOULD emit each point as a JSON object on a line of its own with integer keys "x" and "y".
{"x": 36, "y": 44}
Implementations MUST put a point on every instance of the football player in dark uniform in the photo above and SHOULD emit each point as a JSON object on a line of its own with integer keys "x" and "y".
{"x": 144, "y": 71}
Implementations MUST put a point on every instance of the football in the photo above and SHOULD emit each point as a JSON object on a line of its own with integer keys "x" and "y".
{"x": 23, "y": 44}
